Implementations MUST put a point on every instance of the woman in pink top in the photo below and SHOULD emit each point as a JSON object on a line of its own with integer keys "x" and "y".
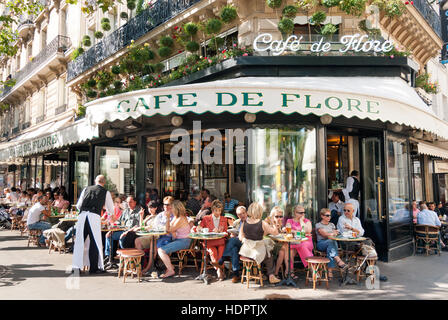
{"x": 415, "y": 211}
{"x": 60, "y": 203}
{"x": 305, "y": 248}
{"x": 178, "y": 228}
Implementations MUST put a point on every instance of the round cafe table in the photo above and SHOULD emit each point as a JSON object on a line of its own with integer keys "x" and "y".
{"x": 110, "y": 264}
{"x": 288, "y": 281}
{"x": 205, "y": 237}
{"x": 153, "y": 234}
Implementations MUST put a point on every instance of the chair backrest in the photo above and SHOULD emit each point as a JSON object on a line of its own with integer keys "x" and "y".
{"x": 426, "y": 231}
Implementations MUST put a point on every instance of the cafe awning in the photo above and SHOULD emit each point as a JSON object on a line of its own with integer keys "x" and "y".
{"x": 53, "y": 135}
{"x": 388, "y": 99}
{"x": 432, "y": 150}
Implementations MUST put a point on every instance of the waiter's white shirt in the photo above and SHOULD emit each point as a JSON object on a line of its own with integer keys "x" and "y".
{"x": 348, "y": 188}
{"x": 109, "y": 204}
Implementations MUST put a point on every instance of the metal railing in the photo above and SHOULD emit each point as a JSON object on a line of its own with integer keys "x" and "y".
{"x": 58, "y": 44}
{"x": 150, "y": 18}
{"x": 430, "y": 15}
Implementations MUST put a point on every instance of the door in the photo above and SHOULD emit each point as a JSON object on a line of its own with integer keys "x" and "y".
{"x": 81, "y": 173}
{"x": 373, "y": 214}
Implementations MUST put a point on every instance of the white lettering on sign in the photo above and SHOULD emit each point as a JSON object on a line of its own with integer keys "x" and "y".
{"x": 356, "y": 43}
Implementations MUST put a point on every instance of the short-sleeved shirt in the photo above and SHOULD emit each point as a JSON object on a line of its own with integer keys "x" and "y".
{"x": 326, "y": 227}
{"x": 229, "y": 206}
{"x": 34, "y": 213}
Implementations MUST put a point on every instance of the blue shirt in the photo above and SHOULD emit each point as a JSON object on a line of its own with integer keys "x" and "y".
{"x": 229, "y": 206}
{"x": 160, "y": 220}
{"x": 428, "y": 217}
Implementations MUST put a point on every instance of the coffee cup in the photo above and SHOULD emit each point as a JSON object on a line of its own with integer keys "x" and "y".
{"x": 205, "y": 230}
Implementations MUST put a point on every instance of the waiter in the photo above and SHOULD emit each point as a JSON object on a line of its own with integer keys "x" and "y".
{"x": 88, "y": 248}
{"x": 351, "y": 191}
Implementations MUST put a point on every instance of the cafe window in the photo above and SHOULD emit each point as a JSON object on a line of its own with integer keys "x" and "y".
{"x": 417, "y": 179}
{"x": 284, "y": 168}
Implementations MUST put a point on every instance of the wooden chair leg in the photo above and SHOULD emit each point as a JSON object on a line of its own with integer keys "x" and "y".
{"x": 125, "y": 272}
{"x": 243, "y": 273}
{"x": 261, "y": 275}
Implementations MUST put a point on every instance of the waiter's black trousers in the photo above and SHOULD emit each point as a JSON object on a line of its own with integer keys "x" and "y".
{"x": 93, "y": 249}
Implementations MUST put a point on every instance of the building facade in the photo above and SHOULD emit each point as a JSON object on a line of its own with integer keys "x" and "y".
{"x": 309, "y": 111}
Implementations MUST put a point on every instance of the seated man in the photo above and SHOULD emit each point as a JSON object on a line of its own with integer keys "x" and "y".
{"x": 233, "y": 245}
{"x": 130, "y": 218}
{"x": 33, "y": 219}
{"x": 348, "y": 222}
{"x": 194, "y": 204}
{"x": 229, "y": 203}
{"x": 428, "y": 217}
{"x": 205, "y": 209}
{"x": 336, "y": 207}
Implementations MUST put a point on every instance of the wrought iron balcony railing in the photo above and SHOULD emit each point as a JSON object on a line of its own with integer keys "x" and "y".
{"x": 430, "y": 15}
{"x": 159, "y": 13}
{"x": 58, "y": 44}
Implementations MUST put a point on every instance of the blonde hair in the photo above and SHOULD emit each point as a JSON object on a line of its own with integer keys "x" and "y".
{"x": 179, "y": 209}
{"x": 323, "y": 211}
{"x": 255, "y": 210}
{"x": 170, "y": 199}
{"x": 275, "y": 210}
{"x": 216, "y": 204}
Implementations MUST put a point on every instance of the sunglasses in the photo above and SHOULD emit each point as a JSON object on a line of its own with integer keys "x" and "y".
{"x": 345, "y": 210}
{"x": 300, "y": 212}
{"x": 279, "y": 216}
{"x": 327, "y": 215}
{"x": 167, "y": 204}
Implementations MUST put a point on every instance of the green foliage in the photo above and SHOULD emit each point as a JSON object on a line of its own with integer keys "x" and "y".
{"x": 290, "y": 12}
{"x": 164, "y": 51}
{"x": 105, "y": 20}
{"x": 81, "y": 110}
{"x": 98, "y": 34}
{"x": 329, "y": 29}
{"x": 217, "y": 42}
{"x": 286, "y": 26}
{"x": 166, "y": 41}
{"x": 191, "y": 59}
{"x": 353, "y": 7}
{"x": 191, "y": 29}
{"x": 274, "y": 4}
{"x": 422, "y": 81}
{"x": 131, "y": 4}
{"x": 307, "y": 5}
{"x": 158, "y": 67}
{"x": 106, "y": 26}
{"x": 147, "y": 69}
{"x": 118, "y": 84}
{"x": 77, "y": 52}
{"x": 391, "y": 8}
{"x": 92, "y": 94}
{"x": 86, "y": 41}
{"x": 124, "y": 15}
{"x": 91, "y": 83}
{"x": 330, "y": 3}
{"x": 116, "y": 70}
{"x": 213, "y": 26}
{"x": 318, "y": 17}
{"x": 102, "y": 84}
{"x": 192, "y": 46}
{"x": 228, "y": 13}
{"x": 140, "y": 6}
{"x": 373, "y": 33}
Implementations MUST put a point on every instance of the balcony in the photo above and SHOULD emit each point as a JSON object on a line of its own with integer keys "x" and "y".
{"x": 430, "y": 15}
{"x": 24, "y": 27}
{"x": 159, "y": 13}
{"x": 58, "y": 45}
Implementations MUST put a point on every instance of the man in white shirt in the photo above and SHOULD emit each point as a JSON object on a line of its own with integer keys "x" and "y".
{"x": 351, "y": 191}
{"x": 336, "y": 207}
{"x": 33, "y": 220}
{"x": 348, "y": 222}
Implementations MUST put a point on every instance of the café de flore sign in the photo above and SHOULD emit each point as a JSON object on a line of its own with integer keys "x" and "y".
{"x": 384, "y": 99}
{"x": 355, "y": 43}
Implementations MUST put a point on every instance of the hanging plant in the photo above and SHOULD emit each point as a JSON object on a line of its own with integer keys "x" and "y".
{"x": 228, "y": 13}
{"x": 191, "y": 29}
{"x": 124, "y": 15}
{"x": 353, "y": 7}
{"x": 318, "y": 17}
{"x": 373, "y": 33}
{"x": 213, "y": 26}
{"x": 274, "y": 4}
{"x": 192, "y": 46}
{"x": 116, "y": 70}
{"x": 391, "y": 8}
{"x": 330, "y": 3}
{"x": 164, "y": 52}
{"x": 286, "y": 26}
{"x": 166, "y": 41}
{"x": 328, "y": 29}
{"x": 105, "y": 20}
{"x": 98, "y": 34}
{"x": 92, "y": 94}
{"x": 118, "y": 84}
{"x": 290, "y": 12}
{"x": 77, "y": 52}
{"x": 105, "y": 26}
{"x": 216, "y": 42}
{"x": 91, "y": 83}
{"x": 131, "y": 4}
{"x": 158, "y": 67}
{"x": 86, "y": 41}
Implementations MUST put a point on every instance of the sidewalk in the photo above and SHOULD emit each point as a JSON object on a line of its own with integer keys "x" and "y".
{"x": 32, "y": 273}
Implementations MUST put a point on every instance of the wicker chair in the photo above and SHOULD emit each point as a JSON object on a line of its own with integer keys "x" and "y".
{"x": 428, "y": 238}
{"x": 251, "y": 271}
{"x": 182, "y": 256}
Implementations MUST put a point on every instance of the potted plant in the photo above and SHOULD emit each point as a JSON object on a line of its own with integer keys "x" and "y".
{"x": 228, "y": 13}
{"x": 290, "y": 12}
{"x": 285, "y": 26}
{"x": 86, "y": 41}
{"x": 124, "y": 15}
{"x": 98, "y": 34}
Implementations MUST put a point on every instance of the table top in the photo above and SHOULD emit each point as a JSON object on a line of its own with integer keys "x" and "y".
{"x": 281, "y": 238}
{"x": 207, "y": 236}
{"x": 151, "y": 233}
{"x": 113, "y": 229}
{"x": 339, "y": 238}
{"x": 57, "y": 216}
{"x": 69, "y": 219}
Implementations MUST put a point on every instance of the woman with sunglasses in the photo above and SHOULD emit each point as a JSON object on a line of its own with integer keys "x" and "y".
{"x": 305, "y": 248}
{"x": 325, "y": 229}
{"x": 275, "y": 220}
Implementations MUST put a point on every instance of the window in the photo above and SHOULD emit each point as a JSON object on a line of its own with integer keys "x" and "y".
{"x": 27, "y": 112}
{"x": 62, "y": 98}
{"x": 43, "y": 39}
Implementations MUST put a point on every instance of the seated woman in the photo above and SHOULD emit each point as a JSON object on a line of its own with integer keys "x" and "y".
{"x": 215, "y": 222}
{"x": 60, "y": 203}
{"x": 179, "y": 229}
{"x": 147, "y": 242}
{"x": 305, "y": 248}
{"x": 325, "y": 229}
{"x": 251, "y": 235}
{"x": 275, "y": 220}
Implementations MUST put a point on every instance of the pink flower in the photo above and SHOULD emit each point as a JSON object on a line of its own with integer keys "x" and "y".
{"x": 224, "y": 51}
{"x": 245, "y": 55}
{"x": 176, "y": 27}
{"x": 210, "y": 61}
{"x": 234, "y": 45}
{"x": 392, "y": 56}
{"x": 180, "y": 51}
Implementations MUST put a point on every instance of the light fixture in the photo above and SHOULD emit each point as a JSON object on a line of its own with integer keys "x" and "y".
{"x": 134, "y": 125}
{"x": 250, "y": 117}
{"x": 326, "y": 119}
{"x": 110, "y": 133}
{"x": 177, "y": 121}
